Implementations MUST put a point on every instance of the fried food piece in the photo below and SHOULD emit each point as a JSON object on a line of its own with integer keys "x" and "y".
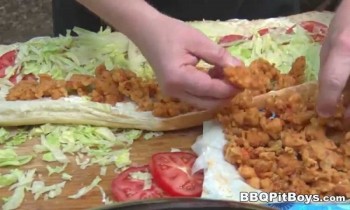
{"x": 24, "y": 90}
{"x": 105, "y": 87}
{"x": 80, "y": 84}
{"x": 245, "y": 78}
{"x": 262, "y": 77}
{"x": 298, "y": 70}
{"x": 30, "y": 89}
{"x": 290, "y": 149}
{"x": 119, "y": 85}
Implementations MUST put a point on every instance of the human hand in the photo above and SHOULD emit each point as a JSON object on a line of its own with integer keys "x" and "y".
{"x": 173, "y": 49}
{"x": 335, "y": 62}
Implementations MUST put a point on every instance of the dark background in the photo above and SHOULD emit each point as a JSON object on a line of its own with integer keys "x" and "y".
{"x": 21, "y": 20}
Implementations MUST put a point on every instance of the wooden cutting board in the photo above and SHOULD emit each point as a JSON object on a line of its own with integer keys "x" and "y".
{"x": 141, "y": 152}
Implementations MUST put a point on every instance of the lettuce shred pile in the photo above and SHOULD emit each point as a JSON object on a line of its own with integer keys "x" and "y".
{"x": 60, "y": 146}
{"x": 66, "y": 55}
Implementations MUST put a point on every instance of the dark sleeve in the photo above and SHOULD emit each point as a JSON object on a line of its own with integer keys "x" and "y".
{"x": 69, "y": 13}
{"x": 261, "y": 9}
{"x": 189, "y": 10}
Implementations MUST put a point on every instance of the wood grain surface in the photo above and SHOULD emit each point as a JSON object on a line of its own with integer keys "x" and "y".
{"x": 140, "y": 154}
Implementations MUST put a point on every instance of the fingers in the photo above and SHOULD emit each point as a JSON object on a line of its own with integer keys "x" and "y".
{"x": 202, "y": 85}
{"x": 333, "y": 78}
{"x": 212, "y": 53}
{"x": 202, "y": 102}
{"x": 198, "y": 88}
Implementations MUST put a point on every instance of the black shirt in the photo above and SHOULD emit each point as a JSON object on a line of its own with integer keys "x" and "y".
{"x": 69, "y": 13}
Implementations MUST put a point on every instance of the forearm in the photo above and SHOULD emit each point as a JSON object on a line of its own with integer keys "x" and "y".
{"x": 128, "y": 17}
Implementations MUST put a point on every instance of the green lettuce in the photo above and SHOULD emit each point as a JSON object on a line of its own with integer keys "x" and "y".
{"x": 8, "y": 157}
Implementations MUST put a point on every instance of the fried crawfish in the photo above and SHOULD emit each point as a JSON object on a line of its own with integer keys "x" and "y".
{"x": 261, "y": 76}
{"x": 290, "y": 149}
{"x": 105, "y": 87}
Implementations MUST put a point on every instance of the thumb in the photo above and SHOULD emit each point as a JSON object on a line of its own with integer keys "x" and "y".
{"x": 212, "y": 53}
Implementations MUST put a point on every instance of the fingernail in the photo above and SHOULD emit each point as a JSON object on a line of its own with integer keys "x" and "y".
{"x": 235, "y": 62}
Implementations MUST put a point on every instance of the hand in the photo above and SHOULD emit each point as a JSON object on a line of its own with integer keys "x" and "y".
{"x": 173, "y": 49}
{"x": 335, "y": 62}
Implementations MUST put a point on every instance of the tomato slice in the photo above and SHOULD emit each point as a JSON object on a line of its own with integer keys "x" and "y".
{"x": 316, "y": 30}
{"x": 172, "y": 171}
{"x": 314, "y": 27}
{"x": 263, "y": 31}
{"x": 125, "y": 188}
{"x": 8, "y": 59}
{"x": 230, "y": 39}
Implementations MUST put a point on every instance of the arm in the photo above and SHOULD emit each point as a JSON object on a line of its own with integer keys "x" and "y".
{"x": 172, "y": 48}
{"x": 129, "y": 17}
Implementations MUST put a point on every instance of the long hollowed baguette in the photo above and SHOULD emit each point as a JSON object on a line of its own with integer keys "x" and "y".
{"x": 124, "y": 115}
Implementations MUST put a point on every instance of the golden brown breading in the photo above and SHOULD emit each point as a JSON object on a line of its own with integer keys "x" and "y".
{"x": 119, "y": 85}
{"x": 291, "y": 149}
{"x": 105, "y": 87}
{"x": 261, "y": 76}
{"x": 30, "y": 89}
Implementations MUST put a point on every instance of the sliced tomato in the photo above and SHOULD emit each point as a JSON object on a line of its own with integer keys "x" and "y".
{"x": 230, "y": 39}
{"x": 263, "y": 31}
{"x": 172, "y": 171}
{"x": 8, "y": 59}
{"x": 314, "y": 27}
{"x": 13, "y": 79}
{"x": 316, "y": 30}
{"x": 125, "y": 188}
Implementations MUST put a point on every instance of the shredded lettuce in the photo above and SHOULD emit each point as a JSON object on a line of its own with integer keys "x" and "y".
{"x": 151, "y": 135}
{"x": 66, "y": 177}
{"x": 138, "y": 63}
{"x": 175, "y": 150}
{"x": 122, "y": 158}
{"x": 83, "y": 191}
{"x": 103, "y": 170}
{"x": 10, "y": 178}
{"x": 13, "y": 138}
{"x": 51, "y": 142}
{"x": 66, "y": 55}
{"x": 90, "y": 145}
{"x": 38, "y": 189}
{"x": 105, "y": 199}
{"x": 146, "y": 177}
{"x": 23, "y": 184}
{"x": 128, "y": 136}
{"x": 48, "y": 157}
{"x": 57, "y": 169}
{"x": 8, "y": 157}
